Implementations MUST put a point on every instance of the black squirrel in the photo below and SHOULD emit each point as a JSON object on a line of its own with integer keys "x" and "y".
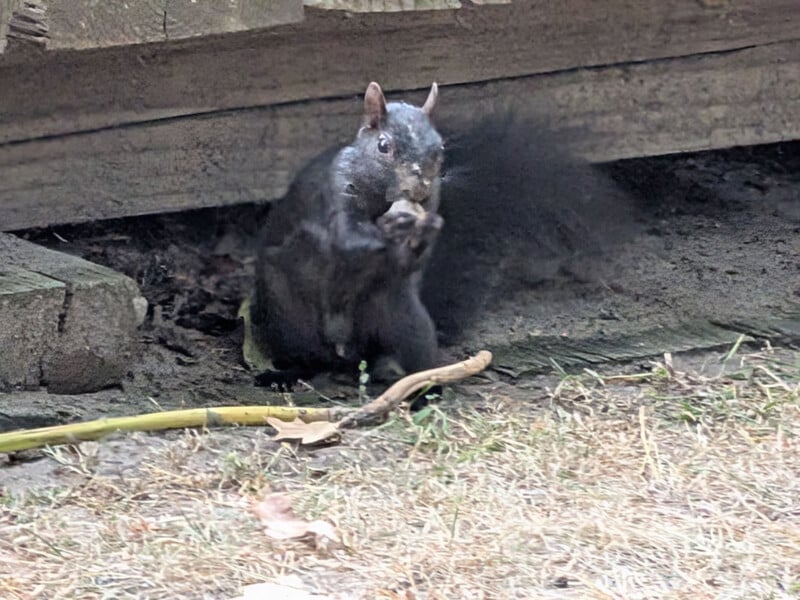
{"x": 382, "y": 244}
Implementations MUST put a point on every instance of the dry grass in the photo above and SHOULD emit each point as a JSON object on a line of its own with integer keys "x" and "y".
{"x": 667, "y": 484}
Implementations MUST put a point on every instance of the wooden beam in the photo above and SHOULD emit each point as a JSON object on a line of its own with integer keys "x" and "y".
{"x": 82, "y": 24}
{"x": 192, "y": 18}
{"x": 383, "y": 5}
{"x": 25, "y": 27}
{"x": 7, "y": 8}
{"x": 29, "y": 307}
{"x": 334, "y": 54}
{"x": 65, "y": 323}
{"x": 536, "y": 354}
{"x": 745, "y": 97}
{"x": 358, "y": 6}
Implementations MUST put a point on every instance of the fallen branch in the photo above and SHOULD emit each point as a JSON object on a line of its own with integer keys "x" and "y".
{"x": 341, "y": 418}
{"x": 401, "y": 390}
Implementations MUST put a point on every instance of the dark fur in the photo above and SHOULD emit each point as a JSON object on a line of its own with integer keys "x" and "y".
{"x": 337, "y": 280}
{"x": 333, "y": 269}
{"x": 519, "y": 210}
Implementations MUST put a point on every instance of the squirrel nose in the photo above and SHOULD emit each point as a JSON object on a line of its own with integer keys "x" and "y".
{"x": 416, "y": 169}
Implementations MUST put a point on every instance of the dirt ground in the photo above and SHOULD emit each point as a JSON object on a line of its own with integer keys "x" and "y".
{"x": 674, "y": 480}
{"x": 721, "y": 241}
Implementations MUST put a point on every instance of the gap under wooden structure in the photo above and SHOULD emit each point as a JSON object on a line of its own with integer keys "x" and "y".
{"x": 170, "y": 105}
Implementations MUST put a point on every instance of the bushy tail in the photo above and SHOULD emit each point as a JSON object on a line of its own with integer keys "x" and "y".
{"x": 518, "y": 210}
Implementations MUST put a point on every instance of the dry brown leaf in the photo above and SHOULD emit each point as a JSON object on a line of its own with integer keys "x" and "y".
{"x": 276, "y": 514}
{"x": 307, "y": 433}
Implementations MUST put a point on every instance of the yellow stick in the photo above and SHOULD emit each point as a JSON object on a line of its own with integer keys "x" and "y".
{"x": 175, "y": 419}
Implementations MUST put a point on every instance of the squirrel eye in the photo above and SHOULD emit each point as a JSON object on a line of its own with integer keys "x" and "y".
{"x": 383, "y": 144}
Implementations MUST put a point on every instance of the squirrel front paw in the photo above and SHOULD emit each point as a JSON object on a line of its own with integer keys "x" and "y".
{"x": 409, "y": 236}
{"x": 410, "y": 229}
{"x": 397, "y": 226}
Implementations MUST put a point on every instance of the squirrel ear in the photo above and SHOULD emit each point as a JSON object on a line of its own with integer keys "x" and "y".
{"x": 430, "y": 103}
{"x": 374, "y": 106}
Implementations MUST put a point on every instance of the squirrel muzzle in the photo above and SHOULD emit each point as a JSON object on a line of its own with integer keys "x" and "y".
{"x": 413, "y": 183}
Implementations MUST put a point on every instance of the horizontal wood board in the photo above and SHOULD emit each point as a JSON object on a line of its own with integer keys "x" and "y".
{"x": 65, "y": 323}
{"x": 83, "y": 24}
{"x": 743, "y": 97}
{"x": 543, "y": 354}
{"x": 333, "y": 54}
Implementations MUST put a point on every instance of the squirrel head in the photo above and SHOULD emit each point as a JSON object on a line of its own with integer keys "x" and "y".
{"x": 398, "y": 151}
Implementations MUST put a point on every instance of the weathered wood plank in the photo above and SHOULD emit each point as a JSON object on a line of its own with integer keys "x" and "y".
{"x": 65, "y": 323}
{"x": 25, "y": 27}
{"x": 82, "y": 24}
{"x": 5, "y": 15}
{"x": 536, "y": 355}
{"x": 29, "y": 307}
{"x": 776, "y": 327}
{"x": 750, "y": 96}
{"x": 333, "y": 54}
{"x": 385, "y": 5}
{"x": 190, "y": 18}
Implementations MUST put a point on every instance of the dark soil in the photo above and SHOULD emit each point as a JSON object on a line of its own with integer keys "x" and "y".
{"x": 721, "y": 240}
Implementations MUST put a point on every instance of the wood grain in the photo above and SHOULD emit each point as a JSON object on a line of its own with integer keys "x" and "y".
{"x": 26, "y": 27}
{"x": 334, "y": 54}
{"x": 745, "y": 97}
{"x": 7, "y": 8}
{"x": 536, "y": 354}
{"x": 386, "y": 5}
{"x": 82, "y": 24}
{"x": 191, "y": 18}
{"x": 65, "y": 323}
